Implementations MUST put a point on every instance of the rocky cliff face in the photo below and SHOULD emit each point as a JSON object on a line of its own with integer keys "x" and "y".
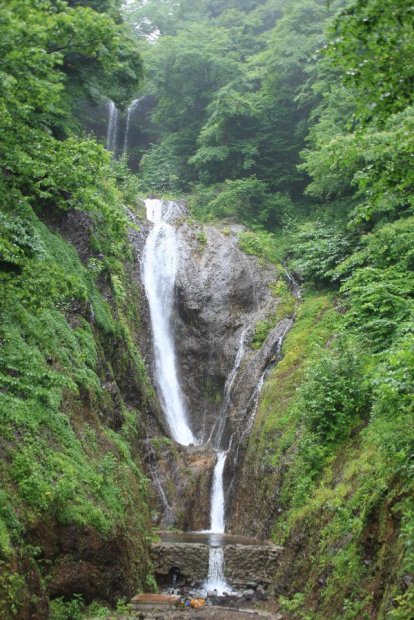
{"x": 221, "y": 294}
{"x": 182, "y": 479}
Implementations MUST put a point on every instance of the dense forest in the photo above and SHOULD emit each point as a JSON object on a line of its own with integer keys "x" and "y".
{"x": 294, "y": 118}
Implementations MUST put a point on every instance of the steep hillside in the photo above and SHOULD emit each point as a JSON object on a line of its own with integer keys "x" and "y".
{"x": 75, "y": 401}
{"x": 325, "y": 486}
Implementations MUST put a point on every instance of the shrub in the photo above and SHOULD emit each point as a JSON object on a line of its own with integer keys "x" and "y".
{"x": 317, "y": 249}
{"x": 334, "y": 394}
{"x": 247, "y": 200}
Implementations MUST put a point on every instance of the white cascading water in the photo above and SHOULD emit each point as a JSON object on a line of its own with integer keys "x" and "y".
{"x": 215, "y": 578}
{"x": 159, "y": 272}
{"x": 112, "y": 131}
{"x": 160, "y": 265}
{"x": 217, "y": 496}
{"x": 130, "y": 111}
{"x": 218, "y": 429}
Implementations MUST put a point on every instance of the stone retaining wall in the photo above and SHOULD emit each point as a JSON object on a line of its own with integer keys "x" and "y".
{"x": 245, "y": 566}
{"x": 250, "y": 565}
{"x": 190, "y": 558}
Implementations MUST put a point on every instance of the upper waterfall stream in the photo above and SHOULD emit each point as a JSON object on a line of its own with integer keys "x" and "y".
{"x": 112, "y": 130}
{"x": 159, "y": 271}
{"x": 130, "y": 111}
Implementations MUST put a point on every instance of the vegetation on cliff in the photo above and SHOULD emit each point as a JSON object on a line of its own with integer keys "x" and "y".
{"x": 73, "y": 498}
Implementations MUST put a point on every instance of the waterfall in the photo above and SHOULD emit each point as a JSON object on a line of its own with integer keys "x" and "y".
{"x": 217, "y": 496}
{"x": 130, "y": 111}
{"x": 112, "y": 132}
{"x": 215, "y": 579}
{"x": 159, "y": 271}
{"x": 218, "y": 428}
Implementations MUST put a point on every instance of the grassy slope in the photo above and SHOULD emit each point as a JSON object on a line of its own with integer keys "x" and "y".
{"x": 68, "y": 446}
{"x": 276, "y": 424}
{"x": 343, "y": 517}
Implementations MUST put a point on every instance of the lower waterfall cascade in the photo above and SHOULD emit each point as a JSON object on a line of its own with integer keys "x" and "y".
{"x": 160, "y": 263}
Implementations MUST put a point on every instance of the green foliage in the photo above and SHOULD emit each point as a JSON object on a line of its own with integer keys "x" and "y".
{"x": 337, "y": 454}
{"x": 123, "y": 606}
{"x": 393, "y": 405}
{"x": 374, "y": 162}
{"x": 161, "y": 168}
{"x": 371, "y": 44}
{"x": 11, "y": 590}
{"x": 97, "y": 611}
{"x": 294, "y": 604}
{"x": 230, "y": 83}
{"x": 333, "y": 395}
{"x": 261, "y": 331}
{"x": 227, "y": 145}
{"x": 263, "y": 244}
{"x": 55, "y": 465}
{"x": 278, "y": 417}
{"x": 247, "y": 200}
{"x": 378, "y": 303}
{"x": 404, "y": 605}
{"x": 284, "y": 307}
{"x": 285, "y": 99}
{"x": 17, "y": 241}
{"x": 317, "y": 249}
{"x": 151, "y": 584}
{"x": 379, "y": 282}
{"x": 235, "y": 87}
{"x": 332, "y": 399}
{"x": 52, "y": 366}
{"x": 66, "y": 610}
{"x": 51, "y": 55}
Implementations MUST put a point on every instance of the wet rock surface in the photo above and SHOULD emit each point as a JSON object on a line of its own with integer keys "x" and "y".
{"x": 220, "y": 296}
{"x": 84, "y": 561}
{"x": 182, "y": 479}
{"x": 220, "y": 292}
